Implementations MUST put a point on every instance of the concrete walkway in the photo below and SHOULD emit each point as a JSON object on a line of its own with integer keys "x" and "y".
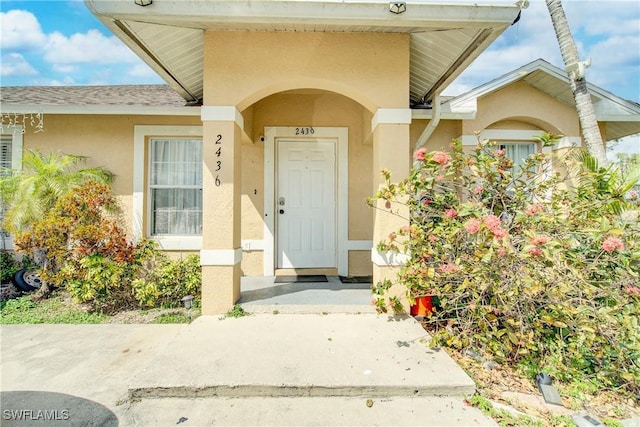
{"x": 354, "y": 368}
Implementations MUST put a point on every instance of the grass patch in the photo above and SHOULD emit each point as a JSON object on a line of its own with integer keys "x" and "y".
{"x": 236, "y": 311}
{"x": 56, "y": 309}
{"x": 61, "y": 309}
{"x": 171, "y": 318}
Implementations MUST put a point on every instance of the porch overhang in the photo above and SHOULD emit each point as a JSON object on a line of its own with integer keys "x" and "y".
{"x": 169, "y": 35}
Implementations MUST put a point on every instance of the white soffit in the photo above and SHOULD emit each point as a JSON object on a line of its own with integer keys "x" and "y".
{"x": 168, "y": 35}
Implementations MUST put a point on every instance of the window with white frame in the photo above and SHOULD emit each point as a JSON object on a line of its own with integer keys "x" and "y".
{"x": 10, "y": 159}
{"x": 175, "y": 186}
{"x": 6, "y": 143}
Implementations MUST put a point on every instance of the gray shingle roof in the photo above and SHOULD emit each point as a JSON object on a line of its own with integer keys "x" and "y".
{"x": 133, "y": 95}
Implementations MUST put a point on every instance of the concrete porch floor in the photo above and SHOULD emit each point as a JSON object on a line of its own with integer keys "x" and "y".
{"x": 261, "y": 294}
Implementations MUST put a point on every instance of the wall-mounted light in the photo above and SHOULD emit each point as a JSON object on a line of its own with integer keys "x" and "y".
{"x": 397, "y": 7}
{"x": 143, "y": 2}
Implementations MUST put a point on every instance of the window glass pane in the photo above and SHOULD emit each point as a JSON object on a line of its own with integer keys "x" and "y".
{"x": 5, "y": 153}
{"x": 5, "y": 169}
{"x": 176, "y": 211}
{"x": 518, "y": 153}
{"x": 176, "y": 186}
{"x": 176, "y": 162}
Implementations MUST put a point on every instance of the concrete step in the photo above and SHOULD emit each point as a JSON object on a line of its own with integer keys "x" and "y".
{"x": 303, "y": 411}
{"x": 285, "y": 355}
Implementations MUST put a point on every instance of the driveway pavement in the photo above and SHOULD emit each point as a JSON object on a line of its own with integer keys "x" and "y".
{"x": 290, "y": 368}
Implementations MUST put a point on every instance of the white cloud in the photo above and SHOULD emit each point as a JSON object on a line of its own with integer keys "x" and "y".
{"x": 14, "y": 64}
{"x": 628, "y": 145}
{"x": 64, "y": 68}
{"x": 20, "y": 30}
{"x": 91, "y": 47}
{"x": 608, "y": 32}
{"x": 142, "y": 70}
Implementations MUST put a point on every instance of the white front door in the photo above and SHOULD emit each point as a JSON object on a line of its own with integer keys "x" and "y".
{"x": 305, "y": 204}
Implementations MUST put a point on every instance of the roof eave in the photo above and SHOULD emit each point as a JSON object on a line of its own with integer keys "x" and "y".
{"x": 489, "y": 19}
{"x": 142, "y": 110}
{"x": 205, "y": 13}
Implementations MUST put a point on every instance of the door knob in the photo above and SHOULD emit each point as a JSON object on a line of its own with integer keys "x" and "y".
{"x": 281, "y": 211}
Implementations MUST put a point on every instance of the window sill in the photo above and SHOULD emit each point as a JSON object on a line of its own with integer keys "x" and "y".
{"x": 178, "y": 243}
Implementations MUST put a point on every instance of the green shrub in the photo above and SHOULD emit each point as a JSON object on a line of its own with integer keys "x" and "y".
{"x": 8, "y": 266}
{"x": 169, "y": 282}
{"x": 527, "y": 270}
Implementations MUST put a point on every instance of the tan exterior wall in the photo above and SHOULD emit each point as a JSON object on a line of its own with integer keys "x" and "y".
{"x": 441, "y": 138}
{"x": 240, "y": 70}
{"x": 106, "y": 141}
{"x": 524, "y": 103}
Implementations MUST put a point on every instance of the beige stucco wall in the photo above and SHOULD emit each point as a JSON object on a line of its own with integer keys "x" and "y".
{"x": 106, "y": 141}
{"x": 241, "y": 68}
{"x": 520, "y": 101}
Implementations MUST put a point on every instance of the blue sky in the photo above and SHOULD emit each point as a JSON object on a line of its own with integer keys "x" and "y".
{"x": 59, "y": 42}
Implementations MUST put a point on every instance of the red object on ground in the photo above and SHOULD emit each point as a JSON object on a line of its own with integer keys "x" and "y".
{"x": 422, "y": 307}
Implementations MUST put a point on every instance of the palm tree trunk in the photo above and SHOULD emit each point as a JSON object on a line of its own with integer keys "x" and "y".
{"x": 584, "y": 107}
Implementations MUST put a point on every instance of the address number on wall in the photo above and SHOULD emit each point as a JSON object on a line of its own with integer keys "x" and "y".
{"x": 305, "y": 131}
{"x": 218, "y": 162}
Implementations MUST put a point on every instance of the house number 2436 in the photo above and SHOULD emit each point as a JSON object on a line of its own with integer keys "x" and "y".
{"x": 218, "y": 166}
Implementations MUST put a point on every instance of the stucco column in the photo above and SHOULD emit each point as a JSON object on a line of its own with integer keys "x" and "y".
{"x": 221, "y": 250}
{"x": 390, "y": 151}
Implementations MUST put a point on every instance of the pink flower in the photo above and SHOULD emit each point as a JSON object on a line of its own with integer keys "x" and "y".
{"x": 419, "y": 154}
{"x": 478, "y": 190}
{"x": 441, "y": 157}
{"x": 633, "y": 194}
{"x": 499, "y": 232}
{"x": 451, "y": 213}
{"x": 500, "y": 153}
{"x": 492, "y": 221}
{"x": 432, "y": 238}
{"x": 393, "y": 236}
{"x": 502, "y": 252}
{"x": 632, "y": 290}
{"x": 535, "y": 251}
{"x": 426, "y": 202}
{"x": 540, "y": 240}
{"x": 534, "y": 209}
{"x": 406, "y": 229}
{"x": 472, "y": 226}
{"x": 448, "y": 268}
{"x": 612, "y": 244}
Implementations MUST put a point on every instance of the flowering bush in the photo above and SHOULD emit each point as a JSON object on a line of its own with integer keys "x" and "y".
{"x": 525, "y": 269}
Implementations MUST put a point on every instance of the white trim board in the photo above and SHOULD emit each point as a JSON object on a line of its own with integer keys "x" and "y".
{"x": 220, "y": 256}
{"x": 341, "y": 135}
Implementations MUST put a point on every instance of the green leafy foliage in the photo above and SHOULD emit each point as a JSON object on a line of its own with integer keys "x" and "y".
{"x": 168, "y": 282}
{"x": 30, "y": 192}
{"x": 8, "y": 266}
{"x": 526, "y": 268}
{"x": 237, "y": 311}
{"x": 88, "y": 254}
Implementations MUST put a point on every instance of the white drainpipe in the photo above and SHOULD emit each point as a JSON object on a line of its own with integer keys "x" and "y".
{"x": 433, "y": 123}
